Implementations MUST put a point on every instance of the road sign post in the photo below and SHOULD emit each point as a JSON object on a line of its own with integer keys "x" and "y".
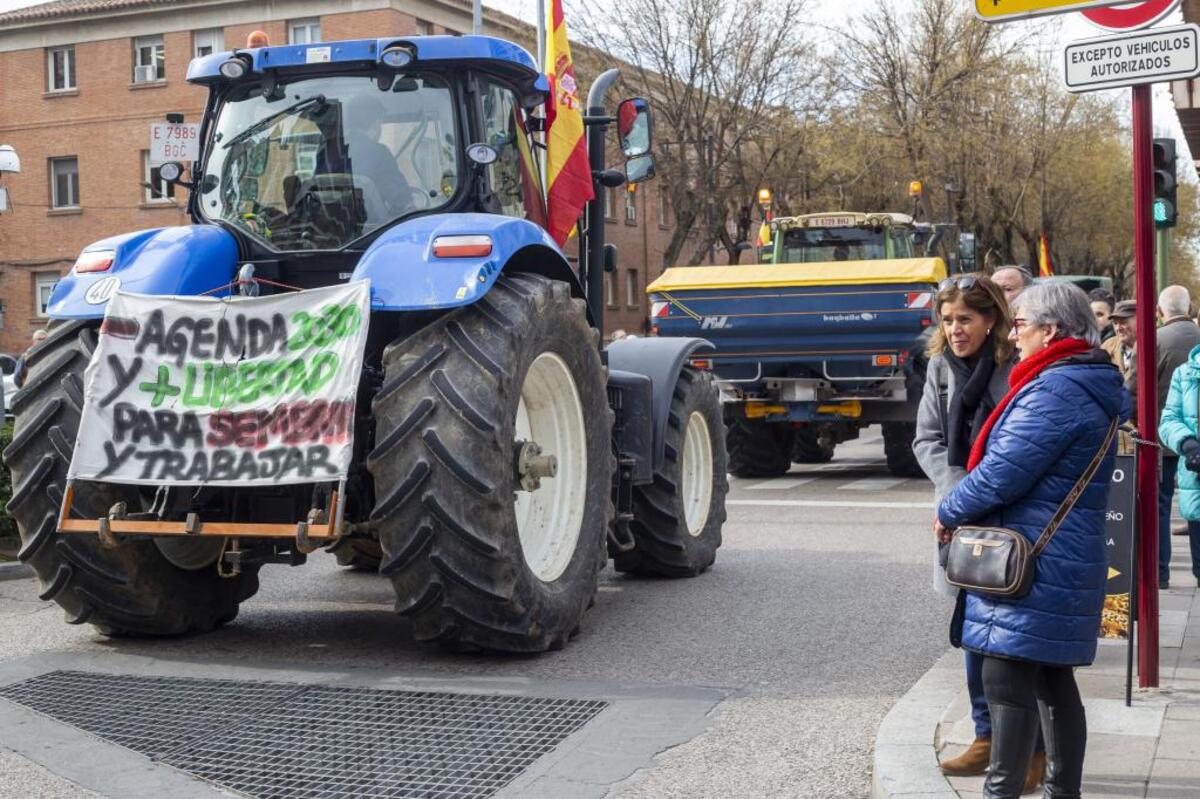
{"x": 1147, "y": 400}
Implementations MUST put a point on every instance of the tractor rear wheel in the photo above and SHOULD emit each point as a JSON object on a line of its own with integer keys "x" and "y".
{"x": 814, "y": 443}
{"x": 678, "y": 517}
{"x": 359, "y": 554}
{"x": 136, "y": 588}
{"x": 897, "y": 447}
{"x": 493, "y": 468}
{"x": 756, "y": 448}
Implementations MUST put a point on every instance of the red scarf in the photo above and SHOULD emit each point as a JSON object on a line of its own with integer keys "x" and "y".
{"x": 1022, "y": 375}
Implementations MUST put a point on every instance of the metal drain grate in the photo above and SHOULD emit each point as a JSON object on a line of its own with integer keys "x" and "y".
{"x": 275, "y": 740}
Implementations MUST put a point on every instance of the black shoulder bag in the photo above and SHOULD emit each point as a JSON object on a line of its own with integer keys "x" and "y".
{"x": 999, "y": 562}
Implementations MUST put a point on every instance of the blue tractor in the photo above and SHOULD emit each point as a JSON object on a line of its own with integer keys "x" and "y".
{"x": 501, "y": 456}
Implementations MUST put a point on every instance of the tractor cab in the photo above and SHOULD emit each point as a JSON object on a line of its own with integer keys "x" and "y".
{"x": 310, "y": 148}
{"x": 834, "y": 237}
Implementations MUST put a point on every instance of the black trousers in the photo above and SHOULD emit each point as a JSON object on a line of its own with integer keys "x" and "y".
{"x": 1034, "y": 688}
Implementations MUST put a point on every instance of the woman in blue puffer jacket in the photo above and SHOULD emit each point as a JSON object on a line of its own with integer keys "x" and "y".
{"x": 1179, "y": 430}
{"x": 1064, "y": 395}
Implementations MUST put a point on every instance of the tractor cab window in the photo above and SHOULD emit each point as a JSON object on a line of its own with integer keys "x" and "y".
{"x": 324, "y": 161}
{"x": 514, "y": 177}
{"x": 820, "y": 245}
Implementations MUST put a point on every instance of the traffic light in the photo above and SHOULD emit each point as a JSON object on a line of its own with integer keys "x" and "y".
{"x": 1165, "y": 213}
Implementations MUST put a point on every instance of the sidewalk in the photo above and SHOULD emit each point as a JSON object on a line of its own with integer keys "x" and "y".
{"x": 1149, "y": 751}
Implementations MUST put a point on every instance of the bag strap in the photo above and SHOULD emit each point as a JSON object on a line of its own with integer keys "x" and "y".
{"x": 1069, "y": 502}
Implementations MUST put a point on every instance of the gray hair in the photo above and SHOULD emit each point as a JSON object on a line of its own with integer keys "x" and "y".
{"x": 1061, "y": 304}
{"x": 1174, "y": 301}
{"x": 1020, "y": 269}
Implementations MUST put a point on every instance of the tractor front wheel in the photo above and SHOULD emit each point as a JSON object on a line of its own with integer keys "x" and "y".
{"x": 139, "y": 587}
{"x": 493, "y": 466}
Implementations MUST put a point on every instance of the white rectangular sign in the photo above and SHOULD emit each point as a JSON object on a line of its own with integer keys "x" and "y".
{"x": 1130, "y": 59}
{"x": 174, "y": 141}
{"x": 224, "y": 391}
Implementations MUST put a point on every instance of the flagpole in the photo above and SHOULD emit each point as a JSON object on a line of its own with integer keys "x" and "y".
{"x": 541, "y": 35}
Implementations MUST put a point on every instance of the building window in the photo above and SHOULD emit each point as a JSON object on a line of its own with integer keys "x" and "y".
{"x": 43, "y": 284}
{"x": 64, "y": 182}
{"x": 664, "y": 209}
{"x": 60, "y": 69}
{"x": 149, "y": 59}
{"x": 631, "y": 207}
{"x": 154, "y": 188}
{"x": 610, "y": 203}
{"x": 631, "y": 288}
{"x": 610, "y": 289}
{"x": 304, "y": 31}
{"x": 207, "y": 42}
{"x": 424, "y": 27}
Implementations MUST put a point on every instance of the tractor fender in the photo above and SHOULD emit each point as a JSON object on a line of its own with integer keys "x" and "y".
{"x": 405, "y": 274}
{"x": 661, "y": 360}
{"x": 185, "y": 260}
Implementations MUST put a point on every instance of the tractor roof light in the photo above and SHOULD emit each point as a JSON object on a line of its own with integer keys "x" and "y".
{"x": 94, "y": 261}
{"x": 258, "y": 39}
{"x": 235, "y": 68}
{"x": 764, "y": 196}
{"x": 397, "y": 57}
{"x": 915, "y": 188}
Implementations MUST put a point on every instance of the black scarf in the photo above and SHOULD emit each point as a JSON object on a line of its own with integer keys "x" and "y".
{"x": 971, "y": 404}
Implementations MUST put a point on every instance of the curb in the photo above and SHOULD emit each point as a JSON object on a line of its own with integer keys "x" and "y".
{"x": 14, "y": 571}
{"x": 906, "y": 763}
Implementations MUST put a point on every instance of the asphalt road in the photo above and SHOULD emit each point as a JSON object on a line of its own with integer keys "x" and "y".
{"x": 816, "y": 618}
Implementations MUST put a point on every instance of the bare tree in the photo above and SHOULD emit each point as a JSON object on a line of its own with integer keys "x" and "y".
{"x": 722, "y": 75}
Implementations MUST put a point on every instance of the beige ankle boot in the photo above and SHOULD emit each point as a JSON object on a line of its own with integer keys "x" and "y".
{"x": 970, "y": 763}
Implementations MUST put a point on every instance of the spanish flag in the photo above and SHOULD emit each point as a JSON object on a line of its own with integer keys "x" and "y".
{"x": 568, "y": 174}
{"x": 1045, "y": 269}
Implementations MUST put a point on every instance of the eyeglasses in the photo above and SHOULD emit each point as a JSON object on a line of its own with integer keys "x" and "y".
{"x": 964, "y": 283}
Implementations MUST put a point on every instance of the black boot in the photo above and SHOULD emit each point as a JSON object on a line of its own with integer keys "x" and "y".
{"x": 1066, "y": 740}
{"x": 1014, "y": 733}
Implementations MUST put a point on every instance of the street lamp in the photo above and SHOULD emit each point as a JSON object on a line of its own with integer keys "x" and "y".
{"x": 764, "y": 202}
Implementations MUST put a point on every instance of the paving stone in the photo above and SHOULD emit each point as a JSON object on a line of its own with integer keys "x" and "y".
{"x": 1174, "y": 779}
{"x": 1111, "y": 717}
{"x": 1180, "y": 740}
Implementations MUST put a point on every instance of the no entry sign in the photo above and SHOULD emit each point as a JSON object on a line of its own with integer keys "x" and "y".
{"x": 1008, "y": 10}
{"x": 1132, "y": 59}
{"x": 1131, "y": 16}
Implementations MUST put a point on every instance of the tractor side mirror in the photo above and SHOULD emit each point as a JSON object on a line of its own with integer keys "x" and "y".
{"x": 8, "y": 364}
{"x": 610, "y": 257}
{"x": 639, "y": 169}
{"x": 634, "y": 127}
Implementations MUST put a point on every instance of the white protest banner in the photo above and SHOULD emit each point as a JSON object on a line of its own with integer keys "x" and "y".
{"x": 231, "y": 391}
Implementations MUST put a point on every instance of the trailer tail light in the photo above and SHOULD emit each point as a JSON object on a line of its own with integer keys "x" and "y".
{"x": 918, "y": 300}
{"x": 94, "y": 261}
{"x": 462, "y": 246}
{"x": 884, "y": 360}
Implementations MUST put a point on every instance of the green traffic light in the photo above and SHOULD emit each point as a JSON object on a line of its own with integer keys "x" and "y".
{"x": 1163, "y": 212}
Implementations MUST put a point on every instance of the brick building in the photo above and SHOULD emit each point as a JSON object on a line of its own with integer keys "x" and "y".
{"x": 83, "y": 79}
